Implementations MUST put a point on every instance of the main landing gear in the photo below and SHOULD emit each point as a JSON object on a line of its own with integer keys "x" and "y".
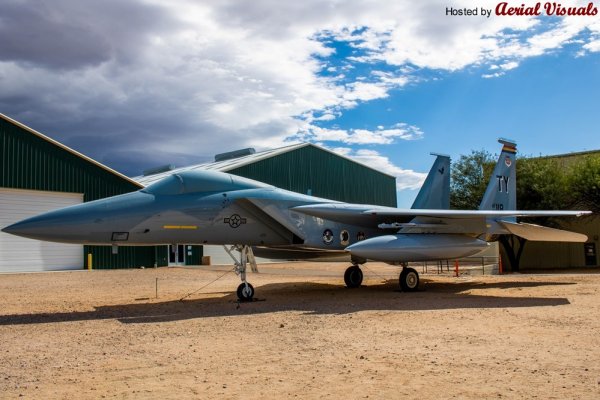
{"x": 353, "y": 276}
{"x": 245, "y": 291}
{"x": 409, "y": 278}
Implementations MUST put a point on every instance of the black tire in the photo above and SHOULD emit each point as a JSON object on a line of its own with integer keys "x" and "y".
{"x": 353, "y": 277}
{"x": 409, "y": 280}
{"x": 244, "y": 294}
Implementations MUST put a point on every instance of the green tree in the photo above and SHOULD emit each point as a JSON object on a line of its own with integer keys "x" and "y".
{"x": 542, "y": 184}
{"x": 469, "y": 178}
{"x": 584, "y": 183}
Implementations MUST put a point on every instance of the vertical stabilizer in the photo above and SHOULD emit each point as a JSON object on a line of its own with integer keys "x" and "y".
{"x": 501, "y": 193}
{"x": 435, "y": 192}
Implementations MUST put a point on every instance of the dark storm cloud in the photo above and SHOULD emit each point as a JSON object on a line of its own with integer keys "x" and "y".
{"x": 71, "y": 34}
{"x": 131, "y": 143}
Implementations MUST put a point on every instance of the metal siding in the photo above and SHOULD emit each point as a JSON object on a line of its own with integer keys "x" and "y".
{"x": 326, "y": 174}
{"x": 196, "y": 257}
{"x": 30, "y": 162}
{"x": 562, "y": 255}
{"x": 127, "y": 257}
{"x": 18, "y": 254}
{"x": 161, "y": 256}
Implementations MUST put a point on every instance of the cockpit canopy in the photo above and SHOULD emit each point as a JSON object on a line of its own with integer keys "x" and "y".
{"x": 199, "y": 182}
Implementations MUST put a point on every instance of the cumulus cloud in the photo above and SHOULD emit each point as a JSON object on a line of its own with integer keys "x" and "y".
{"x": 135, "y": 83}
{"x": 381, "y": 135}
{"x": 405, "y": 178}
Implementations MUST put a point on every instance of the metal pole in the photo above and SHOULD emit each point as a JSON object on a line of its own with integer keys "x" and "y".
{"x": 482, "y": 265}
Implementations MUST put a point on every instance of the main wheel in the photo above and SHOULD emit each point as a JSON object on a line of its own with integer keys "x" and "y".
{"x": 409, "y": 280}
{"x": 245, "y": 293}
{"x": 353, "y": 277}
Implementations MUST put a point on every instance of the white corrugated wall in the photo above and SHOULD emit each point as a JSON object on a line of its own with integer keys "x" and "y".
{"x": 24, "y": 255}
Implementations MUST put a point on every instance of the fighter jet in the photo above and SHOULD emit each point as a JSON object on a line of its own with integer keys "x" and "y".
{"x": 208, "y": 207}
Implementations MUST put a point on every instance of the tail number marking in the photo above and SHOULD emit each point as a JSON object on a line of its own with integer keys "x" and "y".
{"x": 503, "y": 182}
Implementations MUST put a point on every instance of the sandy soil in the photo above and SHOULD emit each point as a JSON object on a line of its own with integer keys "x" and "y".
{"x": 104, "y": 334}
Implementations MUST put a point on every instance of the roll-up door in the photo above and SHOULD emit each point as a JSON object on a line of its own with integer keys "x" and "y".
{"x": 24, "y": 255}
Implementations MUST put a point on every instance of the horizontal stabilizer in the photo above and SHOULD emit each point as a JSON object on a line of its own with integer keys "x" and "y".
{"x": 542, "y": 233}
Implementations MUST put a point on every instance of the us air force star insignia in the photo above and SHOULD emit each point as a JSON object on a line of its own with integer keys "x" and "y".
{"x": 234, "y": 221}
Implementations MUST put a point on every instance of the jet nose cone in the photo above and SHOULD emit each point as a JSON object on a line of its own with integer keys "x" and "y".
{"x": 12, "y": 229}
{"x": 85, "y": 223}
{"x": 32, "y": 228}
{"x": 62, "y": 225}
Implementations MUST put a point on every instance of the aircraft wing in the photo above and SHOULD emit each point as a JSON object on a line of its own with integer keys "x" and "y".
{"x": 348, "y": 212}
{"x": 445, "y": 221}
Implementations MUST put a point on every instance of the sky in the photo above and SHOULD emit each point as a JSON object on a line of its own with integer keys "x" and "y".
{"x": 138, "y": 84}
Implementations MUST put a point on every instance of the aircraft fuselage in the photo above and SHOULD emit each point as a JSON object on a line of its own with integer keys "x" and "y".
{"x": 145, "y": 218}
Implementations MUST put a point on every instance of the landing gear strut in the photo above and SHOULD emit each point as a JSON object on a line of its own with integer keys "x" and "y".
{"x": 409, "y": 279}
{"x": 353, "y": 276}
{"x": 245, "y": 291}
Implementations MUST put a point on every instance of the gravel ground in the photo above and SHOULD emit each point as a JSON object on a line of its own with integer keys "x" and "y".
{"x": 105, "y": 334}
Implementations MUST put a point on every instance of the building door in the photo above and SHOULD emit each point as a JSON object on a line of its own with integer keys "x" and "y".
{"x": 18, "y": 254}
{"x": 590, "y": 254}
{"x": 176, "y": 254}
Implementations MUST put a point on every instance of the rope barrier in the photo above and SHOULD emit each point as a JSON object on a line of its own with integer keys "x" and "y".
{"x": 208, "y": 284}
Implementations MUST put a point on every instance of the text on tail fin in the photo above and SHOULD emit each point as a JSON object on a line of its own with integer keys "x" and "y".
{"x": 501, "y": 192}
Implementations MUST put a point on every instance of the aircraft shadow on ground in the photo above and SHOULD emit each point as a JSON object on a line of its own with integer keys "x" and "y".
{"x": 309, "y": 298}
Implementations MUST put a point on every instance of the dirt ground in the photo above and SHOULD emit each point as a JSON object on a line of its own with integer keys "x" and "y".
{"x": 105, "y": 334}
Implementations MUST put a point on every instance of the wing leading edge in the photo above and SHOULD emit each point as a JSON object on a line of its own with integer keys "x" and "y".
{"x": 344, "y": 212}
{"x": 446, "y": 221}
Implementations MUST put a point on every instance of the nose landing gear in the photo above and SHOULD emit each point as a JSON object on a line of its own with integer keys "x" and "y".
{"x": 245, "y": 291}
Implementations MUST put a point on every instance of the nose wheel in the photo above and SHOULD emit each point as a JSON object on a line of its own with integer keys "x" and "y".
{"x": 245, "y": 292}
{"x": 353, "y": 276}
{"x": 409, "y": 280}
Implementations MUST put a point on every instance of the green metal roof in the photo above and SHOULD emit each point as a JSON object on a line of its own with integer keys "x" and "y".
{"x": 229, "y": 165}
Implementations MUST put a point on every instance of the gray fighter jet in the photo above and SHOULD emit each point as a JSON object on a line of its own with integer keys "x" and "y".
{"x": 216, "y": 208}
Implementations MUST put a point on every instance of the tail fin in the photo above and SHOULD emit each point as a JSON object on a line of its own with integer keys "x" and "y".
{"x": 435, "y": 192}
{"x": 501, "y": 193}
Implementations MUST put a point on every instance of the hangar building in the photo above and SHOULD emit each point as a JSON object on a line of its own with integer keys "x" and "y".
{"x": 39, "y": 174}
